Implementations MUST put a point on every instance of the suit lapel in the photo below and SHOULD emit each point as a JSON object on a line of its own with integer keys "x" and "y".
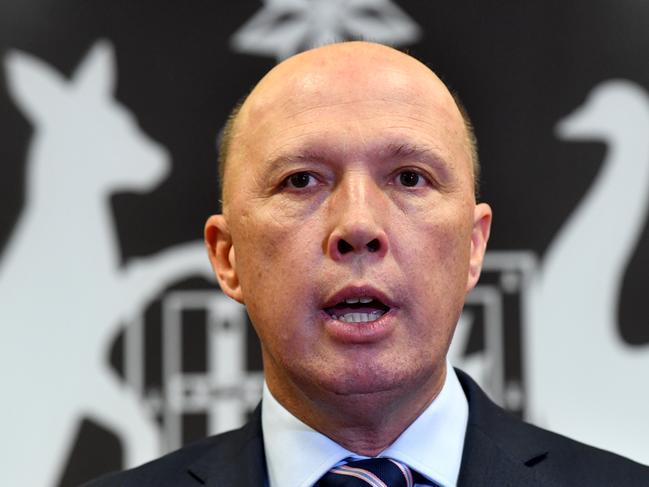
{"x": 485, "y": 463}
{"x": 498, "y": 450}
{"x": 237, "y": 460}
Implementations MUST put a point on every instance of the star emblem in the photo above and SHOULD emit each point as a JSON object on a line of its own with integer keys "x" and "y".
{"x": 285, "y": 27}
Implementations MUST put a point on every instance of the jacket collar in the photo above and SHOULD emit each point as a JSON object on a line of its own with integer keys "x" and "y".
{"x": 499, "y": 449}
{"x": 237, "y": 460}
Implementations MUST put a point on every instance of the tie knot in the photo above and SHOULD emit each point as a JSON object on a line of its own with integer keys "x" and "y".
{"x": 376, "y": 472}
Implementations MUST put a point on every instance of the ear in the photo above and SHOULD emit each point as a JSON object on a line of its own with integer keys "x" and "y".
{"x": 96, "y": 72}
{"x": 220, "y": 249}
{"x": 34, "y": 85}
{"x": 479, "y": 237}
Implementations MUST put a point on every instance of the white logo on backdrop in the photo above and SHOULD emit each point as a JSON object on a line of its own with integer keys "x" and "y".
{"x": 62, "y": 290}
{"x": 514, "y": 271}
{"x": 226, "y": 390}
{"x": 285, "y": 27}
{"x": 583, "y": 380}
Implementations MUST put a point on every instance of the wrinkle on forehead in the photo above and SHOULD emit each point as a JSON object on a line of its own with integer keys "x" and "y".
{"x": 339, "y": 74}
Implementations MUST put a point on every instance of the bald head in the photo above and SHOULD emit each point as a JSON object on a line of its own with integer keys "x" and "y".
{"x": 353, "y": 173}
{"x": 341, "y": 74}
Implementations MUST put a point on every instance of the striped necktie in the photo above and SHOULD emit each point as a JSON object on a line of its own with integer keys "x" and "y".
{"x": 375, "y": 472}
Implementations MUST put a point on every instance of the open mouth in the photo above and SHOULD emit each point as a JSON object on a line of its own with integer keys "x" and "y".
{"x": 363, "y": 309}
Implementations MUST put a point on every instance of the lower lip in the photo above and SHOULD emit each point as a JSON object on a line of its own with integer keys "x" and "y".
{"x": 368, "y": 332}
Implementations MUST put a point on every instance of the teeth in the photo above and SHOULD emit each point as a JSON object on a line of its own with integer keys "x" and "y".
{"x": 363, "y": 300}
{"x": 359, "y": 317}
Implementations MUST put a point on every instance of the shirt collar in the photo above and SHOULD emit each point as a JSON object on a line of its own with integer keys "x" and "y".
{"x": 297, "y": 455}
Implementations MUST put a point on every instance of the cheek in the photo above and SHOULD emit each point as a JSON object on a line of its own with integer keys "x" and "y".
{"x": 275, "y": 264}
{"x": 276, "y": 257}
{"x": 438, "y": 254}
{"x": 439, "y": 238}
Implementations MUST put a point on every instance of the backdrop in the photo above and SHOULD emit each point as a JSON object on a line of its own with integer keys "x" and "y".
{"x": 116, "y": 345}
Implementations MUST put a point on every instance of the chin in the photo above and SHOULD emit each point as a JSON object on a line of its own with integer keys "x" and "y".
{"x": 383, "y": 379}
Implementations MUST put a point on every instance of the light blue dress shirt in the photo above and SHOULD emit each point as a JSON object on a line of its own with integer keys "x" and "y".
{"x": 297, "y": 455}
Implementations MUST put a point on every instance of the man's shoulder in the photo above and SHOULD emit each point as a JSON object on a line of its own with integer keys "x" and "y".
{"x": 497, "y": 439}
{"x": 221, "y": 455}
{"x": 585, "y": 464}
{"x": 161, "y": 471}
{"x": 564, "y": 461}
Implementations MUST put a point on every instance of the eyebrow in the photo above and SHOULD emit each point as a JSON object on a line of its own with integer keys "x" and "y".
{"x": 300, "y": 156}
{"x": 408, "y": 150}
{"x": 422, "y": 153}
{"x": 382, "y": 151}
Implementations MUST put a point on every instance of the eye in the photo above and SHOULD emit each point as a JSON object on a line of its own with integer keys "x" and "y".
{"x": 300, "y": 180}
{"x": 411, "y": 179}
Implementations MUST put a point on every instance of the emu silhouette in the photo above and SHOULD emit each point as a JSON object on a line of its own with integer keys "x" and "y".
{"x": 583, "y": 380}
{"x": 63, "y": 292}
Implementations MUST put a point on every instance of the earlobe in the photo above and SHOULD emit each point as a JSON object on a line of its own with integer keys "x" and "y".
{"x": 479, "y": 236}
{"x": 220, "y": 249}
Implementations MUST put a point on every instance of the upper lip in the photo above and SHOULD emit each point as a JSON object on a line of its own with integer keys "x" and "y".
{"x": 359, "y": 291}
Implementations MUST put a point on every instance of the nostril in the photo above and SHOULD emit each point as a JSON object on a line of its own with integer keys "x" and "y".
{"x": 344, "y": 247}
{"x": 374, "y": 245}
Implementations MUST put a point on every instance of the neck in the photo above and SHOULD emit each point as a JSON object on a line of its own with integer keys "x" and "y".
{"x": 366, "y": 423}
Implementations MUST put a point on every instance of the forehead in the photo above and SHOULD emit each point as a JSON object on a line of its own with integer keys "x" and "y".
{"x": 348, "y": 99}
{"x": 344, "y": 76}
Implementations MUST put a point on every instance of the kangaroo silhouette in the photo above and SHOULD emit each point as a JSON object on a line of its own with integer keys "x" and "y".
{"x": 62, "y": 290}
{"x": 583, "y": 380}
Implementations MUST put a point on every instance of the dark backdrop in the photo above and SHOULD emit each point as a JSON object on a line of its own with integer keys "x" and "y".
{"x": 518, "y": 66}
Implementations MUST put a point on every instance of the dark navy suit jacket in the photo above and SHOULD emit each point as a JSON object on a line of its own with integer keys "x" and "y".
{"x": 499, "y": 451}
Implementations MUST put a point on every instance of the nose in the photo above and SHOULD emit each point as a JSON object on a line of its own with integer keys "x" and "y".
{"x": 358, "y": 210}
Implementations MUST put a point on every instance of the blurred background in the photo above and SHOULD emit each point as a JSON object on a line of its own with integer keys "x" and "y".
{"x": 116, "y": 345}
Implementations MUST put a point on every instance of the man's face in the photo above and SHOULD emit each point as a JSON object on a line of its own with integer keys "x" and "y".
{"x": 350, "y": 228}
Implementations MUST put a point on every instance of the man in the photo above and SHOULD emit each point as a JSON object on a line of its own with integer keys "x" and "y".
{"x": 351, "y": 233}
